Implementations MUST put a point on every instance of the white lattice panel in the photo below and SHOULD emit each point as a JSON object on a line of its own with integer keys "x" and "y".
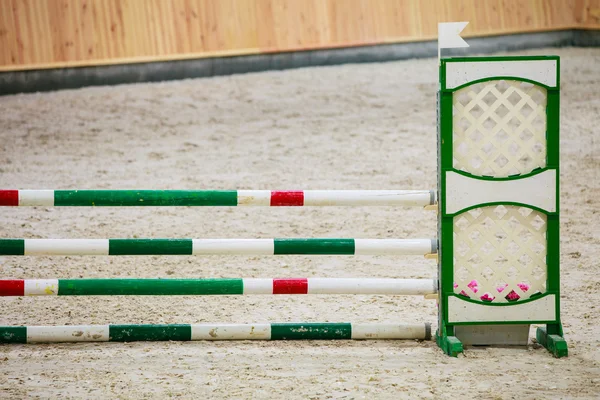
{"x": 500, "y": 253}
{"x": 499, "y": 128}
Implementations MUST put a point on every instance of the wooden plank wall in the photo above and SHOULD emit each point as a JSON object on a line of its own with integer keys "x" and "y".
{"x": 58, "y": 33}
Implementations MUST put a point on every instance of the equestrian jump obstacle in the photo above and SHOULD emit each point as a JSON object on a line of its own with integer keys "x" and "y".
{"x": 497, "y": 247}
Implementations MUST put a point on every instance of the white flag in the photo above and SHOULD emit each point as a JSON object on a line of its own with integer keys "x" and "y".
{"x": 449, "y": 35}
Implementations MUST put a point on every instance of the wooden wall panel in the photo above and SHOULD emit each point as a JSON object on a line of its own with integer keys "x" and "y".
{"x": 57, "y": 33}
{"x": 587, "y": 13}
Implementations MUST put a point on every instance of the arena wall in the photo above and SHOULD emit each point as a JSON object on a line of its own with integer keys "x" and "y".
{"x": 47, "y": 34}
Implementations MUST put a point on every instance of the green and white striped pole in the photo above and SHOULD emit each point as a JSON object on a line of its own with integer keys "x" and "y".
{"x": 122, "y": 247}
{"x": 187, "y": 332}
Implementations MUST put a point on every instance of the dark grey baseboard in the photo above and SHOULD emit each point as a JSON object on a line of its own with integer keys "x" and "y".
{"x": 71, "y": 78}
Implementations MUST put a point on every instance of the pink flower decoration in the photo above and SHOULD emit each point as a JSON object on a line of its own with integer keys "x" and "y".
{"x": 501, "y": 288}
{"x": 513, "y": 296}
{"x": 487, "y": 297}
{"x": 523, "y": 286}
{"x": 474, "y": 286}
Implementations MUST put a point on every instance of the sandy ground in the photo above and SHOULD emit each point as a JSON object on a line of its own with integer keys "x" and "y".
{"x": 366, "y": 126}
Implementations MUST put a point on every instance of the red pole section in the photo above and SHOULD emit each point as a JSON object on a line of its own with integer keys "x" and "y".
{"x": 12, "y": 287}
{"x": 287, "y": 198}
{"x": 9, "y": 198}
{"x": 290, "y": 286}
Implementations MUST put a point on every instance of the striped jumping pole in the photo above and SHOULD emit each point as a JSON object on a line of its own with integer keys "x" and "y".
{"x": 121, "y": 247}
{"x": 218, "y": 286}
{"x": 217, "y": 198}
{"x": 187, "y": 332}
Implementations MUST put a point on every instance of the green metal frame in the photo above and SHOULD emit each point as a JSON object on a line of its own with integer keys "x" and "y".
{"x": 550, "y": 336}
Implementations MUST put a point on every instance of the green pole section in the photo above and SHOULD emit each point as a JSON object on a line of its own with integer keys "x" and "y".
{"x": 13, "y": 334}
{"x": 12, "y": 247}
{"x": 149, "y": 287}
{"x": 314, "y": 246}
{"x": 145, "y": 198}
{"x": 124, "y": 247}
{"x": 311, "y": 331}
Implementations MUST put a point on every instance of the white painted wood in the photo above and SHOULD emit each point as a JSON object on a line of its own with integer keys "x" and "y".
{"x": 231, "y": 331}
{"x": 460, "y": 73}
{"x": 493, "y": 335}
{"x": 542, "y": 309}
{"x": 258, "y": 286}
{"x": 463, "y": 192}
{"x": 394, "y": 246}
{"x": 389, "y": 331}
{"x": 406, "y": 198}
{"x": 36, "y": 197}
{"x": 233, "y": 246}
{"x": 75, "y": 333}
{"x": 41, "y": 287}
{"x": 254, "y": 197}
{"x": 66, "y": 247}
{"x": 371, "y": 286}
{"x": 492, "y": 142}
